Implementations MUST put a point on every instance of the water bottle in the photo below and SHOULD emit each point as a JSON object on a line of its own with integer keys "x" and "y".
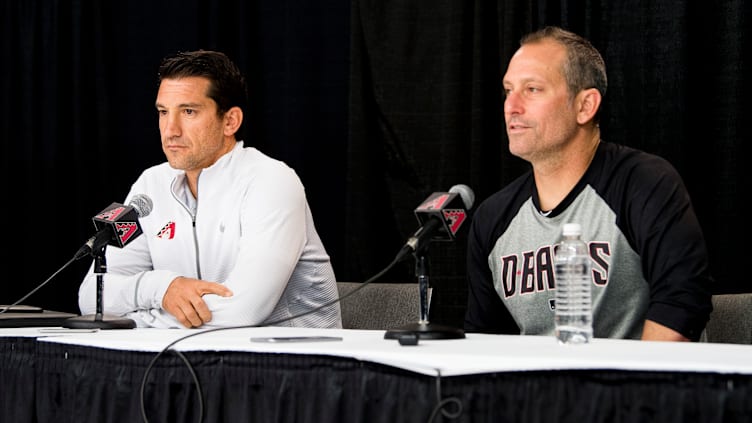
{"x": 573, "y": 314}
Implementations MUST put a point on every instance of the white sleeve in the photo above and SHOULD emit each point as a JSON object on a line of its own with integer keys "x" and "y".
{"x": 273, "y": 222}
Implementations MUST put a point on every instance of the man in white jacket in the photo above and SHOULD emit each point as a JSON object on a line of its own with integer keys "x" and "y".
{"x": 231, "y": 239}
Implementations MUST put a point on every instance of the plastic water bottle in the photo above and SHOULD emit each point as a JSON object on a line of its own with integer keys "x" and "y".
{"x": 573, "y": 314}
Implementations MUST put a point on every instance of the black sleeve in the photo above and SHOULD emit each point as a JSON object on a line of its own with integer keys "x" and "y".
{"x": 485, "y": 312}
{"x": 670, "y": 242}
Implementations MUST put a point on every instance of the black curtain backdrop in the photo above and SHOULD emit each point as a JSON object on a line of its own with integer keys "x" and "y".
{"x": 375, "y": 103}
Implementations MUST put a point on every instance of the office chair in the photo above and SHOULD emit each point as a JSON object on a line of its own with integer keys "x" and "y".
{"x": 731, "y": 319}
{"x": 379, "y": 306}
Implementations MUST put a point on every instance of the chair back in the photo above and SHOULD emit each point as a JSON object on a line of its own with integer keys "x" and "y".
{"x": 379, "y": 306}
{"x": 731, "y": 319}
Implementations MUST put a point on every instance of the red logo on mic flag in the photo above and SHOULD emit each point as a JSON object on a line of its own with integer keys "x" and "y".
{"x": 454, "y": 218}
{"x": 435, "y": 203}
{"x": 167, "y": 231}
{"x": 110, "y": 215}
{"x": 125, "y": 230}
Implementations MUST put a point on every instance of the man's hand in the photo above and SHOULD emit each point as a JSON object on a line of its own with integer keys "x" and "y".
{"x": 183, "y": 299}
{"x": 653, "y": 331}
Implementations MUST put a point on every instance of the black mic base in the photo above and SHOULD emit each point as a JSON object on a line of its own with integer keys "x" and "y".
{"x": 425, "y": 331}
{"x": 90, "y": 321}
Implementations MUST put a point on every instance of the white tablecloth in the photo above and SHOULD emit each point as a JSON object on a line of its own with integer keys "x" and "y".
{"x": 477, "y": 353}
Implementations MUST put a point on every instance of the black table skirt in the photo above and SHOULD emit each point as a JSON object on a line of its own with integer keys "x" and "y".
{"x": 49, "y": 382}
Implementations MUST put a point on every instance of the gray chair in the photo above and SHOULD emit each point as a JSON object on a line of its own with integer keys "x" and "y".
{"x": 731, "y": 319}
{"x": 379, "y": 306}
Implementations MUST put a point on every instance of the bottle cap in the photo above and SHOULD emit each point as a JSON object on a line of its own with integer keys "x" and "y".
{"x": 571, "y": 229}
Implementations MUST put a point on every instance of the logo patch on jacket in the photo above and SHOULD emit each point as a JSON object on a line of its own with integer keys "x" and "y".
{"x": 167, "y": 231}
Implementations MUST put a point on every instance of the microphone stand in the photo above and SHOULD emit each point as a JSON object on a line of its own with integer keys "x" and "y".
{"x": 98, "y": 320}
{"x": 423, "y": 329}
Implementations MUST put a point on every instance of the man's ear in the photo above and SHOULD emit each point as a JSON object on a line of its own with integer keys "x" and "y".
{"x": 587, "y": 101}
{"x": 233, "y": 118}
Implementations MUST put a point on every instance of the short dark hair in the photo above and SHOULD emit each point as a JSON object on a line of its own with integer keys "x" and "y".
{"x": 227, "y": 85}
{"x": 584, "y": 67}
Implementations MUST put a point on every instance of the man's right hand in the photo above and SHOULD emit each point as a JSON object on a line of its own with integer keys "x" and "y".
{"x": 183, "y": 299}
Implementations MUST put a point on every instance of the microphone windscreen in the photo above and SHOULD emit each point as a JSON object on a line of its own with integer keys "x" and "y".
{"x": 467, "y": 194}
{"x": 448, "y": 207}
{"x": 142, "y": 204}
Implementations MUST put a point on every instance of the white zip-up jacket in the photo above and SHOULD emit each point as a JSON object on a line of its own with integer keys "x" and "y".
{"x": 252, "y": 230}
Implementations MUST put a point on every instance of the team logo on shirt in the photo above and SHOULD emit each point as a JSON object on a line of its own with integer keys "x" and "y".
{"x": 167, "y": 231}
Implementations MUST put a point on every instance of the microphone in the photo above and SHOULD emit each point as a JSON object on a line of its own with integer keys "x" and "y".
{"x": 440, "y": 215}
{"x": 117, "y": 225}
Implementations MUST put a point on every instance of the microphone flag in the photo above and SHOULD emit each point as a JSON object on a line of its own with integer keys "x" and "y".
{"x": 122, "y": 221}
{"x": 449, "y": 208}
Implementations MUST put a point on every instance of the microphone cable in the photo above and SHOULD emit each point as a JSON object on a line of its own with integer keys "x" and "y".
{"x": 6, "y": 308}
{"x": 441, "y": 403}
{"x": 272, "y": 323}
{"x": 141, "y": 203}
